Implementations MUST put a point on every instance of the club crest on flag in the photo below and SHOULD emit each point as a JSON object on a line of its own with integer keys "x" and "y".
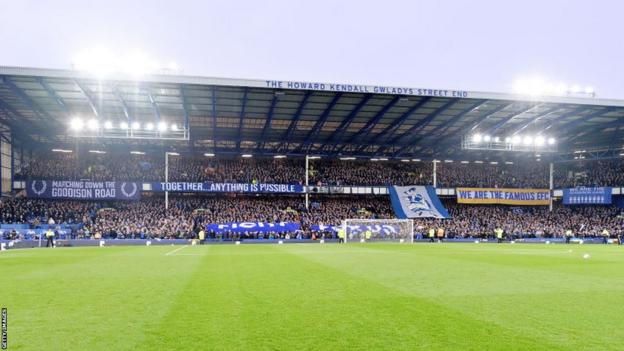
{"x": 417, "y": 202}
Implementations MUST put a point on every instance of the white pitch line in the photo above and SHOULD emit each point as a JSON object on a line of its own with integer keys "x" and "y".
{"x": 174, "y": 251}
{"x": 191, "y": 254}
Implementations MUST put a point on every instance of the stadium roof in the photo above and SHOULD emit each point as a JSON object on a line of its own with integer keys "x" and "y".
{"x": 296, "y": 118}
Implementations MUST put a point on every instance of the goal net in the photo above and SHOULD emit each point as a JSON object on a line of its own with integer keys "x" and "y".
{"x": 399, "y": 230}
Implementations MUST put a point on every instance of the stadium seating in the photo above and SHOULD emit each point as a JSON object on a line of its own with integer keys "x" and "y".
{"x": 322, "y": 172}
{"x": 148, "y": 217}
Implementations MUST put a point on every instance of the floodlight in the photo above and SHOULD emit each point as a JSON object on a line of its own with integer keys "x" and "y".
{"x": 136, "y": 125}
{"x": 527, "y": 140}
{"x": 108, "y": 125}
{"x": 209, "y": 154}
{"x": 496, "y": 139}
{"x": 76, "y": 124}
{"x": 93, "y": 124}
{"x": 539, "y": 141}
{"x": 123, "y": 125}
{"x": 487, "y": 138}
{"x": 149, "y": 126}
{"x": 476, "y": 138}
{"x": 551, "y": 141}
{"x": 246, "y": 155}
{"x": 162, "y": 126}
{"x": 508, "y": 140}
{"x": 515, "y": 139}
{"x": 279, "y": 156}
{"x": 174, "y": 127}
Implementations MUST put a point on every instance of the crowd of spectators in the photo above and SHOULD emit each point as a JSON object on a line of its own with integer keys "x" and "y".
{"x": 360, "y": 172}
{"x": 527, "y": 221}
{"x": 187, "y": 214}
{"x": 525, "y": 175}
{"x": 136, "y": 167}
{"x": 332, "y": 172}
{"x": 589, "y": 173}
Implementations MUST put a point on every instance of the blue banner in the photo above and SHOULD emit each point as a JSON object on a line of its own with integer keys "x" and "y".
{"x": 227, "y": 187}
{"x": 416, "y": 202}
{"x": 83, "y": 190}
{"x": 263, "y": 227}
{"x": 587, "y": 196}
{"x": 384, "y": 229}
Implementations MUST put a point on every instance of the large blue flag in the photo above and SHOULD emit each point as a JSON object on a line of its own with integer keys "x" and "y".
{"x": 416, "y": 202}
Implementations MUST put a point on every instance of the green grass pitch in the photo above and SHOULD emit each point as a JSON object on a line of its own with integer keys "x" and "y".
{"x": 315, "y": 297}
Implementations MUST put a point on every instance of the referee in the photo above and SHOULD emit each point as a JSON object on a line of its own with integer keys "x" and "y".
{"x": 50, "y": 237}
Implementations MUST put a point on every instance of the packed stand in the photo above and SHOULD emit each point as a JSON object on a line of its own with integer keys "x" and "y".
{"x": 360, "y": 172}
{"x": 477, "y": 221}
{"x": 524, "y": 175}
{"x": 323, "y": 172}
{"x": 148, "y": 217}
{"x": 186, "y": 215}
{"x": 132, "y": 167}
{"x": 589, "y": 173}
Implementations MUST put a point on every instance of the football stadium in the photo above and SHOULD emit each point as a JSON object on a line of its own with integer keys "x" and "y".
{"x": 151, "y": 209}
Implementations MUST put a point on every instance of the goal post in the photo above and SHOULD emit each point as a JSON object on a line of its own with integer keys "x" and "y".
{"x": 390, "y": 230}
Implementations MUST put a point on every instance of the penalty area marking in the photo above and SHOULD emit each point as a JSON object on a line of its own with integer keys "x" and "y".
{"x": 174, "y": 252}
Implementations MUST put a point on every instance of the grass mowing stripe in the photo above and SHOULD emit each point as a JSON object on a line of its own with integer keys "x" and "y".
{"x": 481, "y": 288}
{"x": 283, "y": 302}
{"x": 103, "y": 302}
{"x": 314, "y": 297}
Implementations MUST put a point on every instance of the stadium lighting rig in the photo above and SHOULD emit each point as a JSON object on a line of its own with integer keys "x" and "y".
{"x": 79, "y": 127}
{"x": 530, "y": 143}
{"x": 103, "y": 62}
{"x": 536, "y": 86}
